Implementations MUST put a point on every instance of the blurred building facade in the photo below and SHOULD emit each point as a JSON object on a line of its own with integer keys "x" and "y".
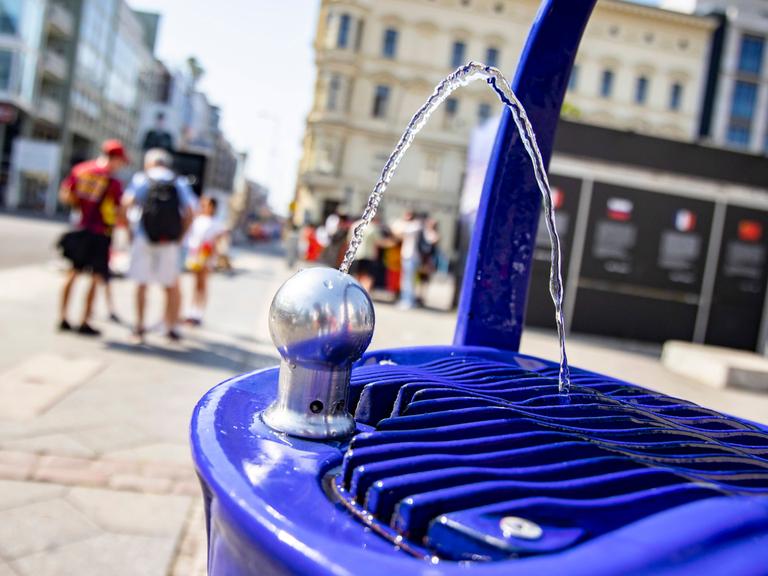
{"x": 72, "y": 72}
{"x": 76, "y": 72}
{"x": 735, "y": 107}
{"x": 175, "y": 106}
{"x": 378, "y": 62}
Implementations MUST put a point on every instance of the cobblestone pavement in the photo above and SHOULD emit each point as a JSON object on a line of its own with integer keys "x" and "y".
{"x": 95, "y": 473}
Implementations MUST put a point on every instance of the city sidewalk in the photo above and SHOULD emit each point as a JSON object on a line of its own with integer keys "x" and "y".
{"x": 95, "y": 473}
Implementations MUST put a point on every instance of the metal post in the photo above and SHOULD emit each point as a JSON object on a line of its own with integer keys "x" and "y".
{"x": 577, "y": 251}
{"x": 710, "y": 273}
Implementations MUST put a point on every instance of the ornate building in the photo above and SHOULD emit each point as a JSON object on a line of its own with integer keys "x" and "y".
{"x": 639, "y": 69}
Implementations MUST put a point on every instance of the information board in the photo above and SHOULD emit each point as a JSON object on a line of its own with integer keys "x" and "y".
{"x": 643, "y": 263}
{"x": 739, "y": 293}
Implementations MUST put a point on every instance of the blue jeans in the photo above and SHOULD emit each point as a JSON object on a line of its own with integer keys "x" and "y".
{"x": 408, "y": 269}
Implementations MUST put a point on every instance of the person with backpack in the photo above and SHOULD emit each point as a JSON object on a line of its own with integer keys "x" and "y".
{"x": 162, "y": 207}
{"x": 92, "y": 190}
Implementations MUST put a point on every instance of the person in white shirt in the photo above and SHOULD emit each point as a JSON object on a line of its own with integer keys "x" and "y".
{"x": 408, "y": 230}
{"x": 160, "y": 207}
{"x": 203, "y": 235}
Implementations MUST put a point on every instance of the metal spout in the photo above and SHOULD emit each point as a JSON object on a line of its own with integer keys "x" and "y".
{"x": 321, "y": 321}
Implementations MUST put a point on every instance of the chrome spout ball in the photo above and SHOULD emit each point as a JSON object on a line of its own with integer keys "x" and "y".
{"x": 321, "y": 321}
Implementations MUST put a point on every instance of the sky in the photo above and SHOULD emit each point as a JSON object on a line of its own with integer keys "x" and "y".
{"x": 259, "y": 67}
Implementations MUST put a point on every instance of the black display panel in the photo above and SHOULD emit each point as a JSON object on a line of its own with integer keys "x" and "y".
{"x": 192, "y": 167}
{"x": 643, "y": 264}
{"x": 739, "y": 293}
{"x": 565, "y": 196}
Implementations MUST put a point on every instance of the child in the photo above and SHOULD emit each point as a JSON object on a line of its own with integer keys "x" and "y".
{"x": 201, "y": 247}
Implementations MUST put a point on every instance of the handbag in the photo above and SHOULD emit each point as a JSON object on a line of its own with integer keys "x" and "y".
{"x": 74, "y": 246}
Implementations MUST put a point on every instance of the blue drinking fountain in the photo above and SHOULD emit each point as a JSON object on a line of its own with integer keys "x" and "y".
{"x": 466, "y": 459}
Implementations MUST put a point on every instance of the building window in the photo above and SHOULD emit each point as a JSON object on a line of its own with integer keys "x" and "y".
{"x": 381, "y": 101}
{"x": 751, "y": 54}
{"x": 10, "y": 14}
{"x": 389, "y": 46}
{"x": 430, "y": 172}
{"x": 334, "y": 89}
{"x": 738, "y": 136}
{"x": 606, "y": 84}
{"x": 641, "y": 90}
{"x": 342, "y": 40}
{"x": 492, "y": 56}
{"x": 483, "y": 112}
{"x": 457, "y": 54}
{"x": 6, "y": 69}
{"x": 675, "y": 96}
{"x": 451, "y": 107}
{"x": 743, "y": 104}
{"x": 573, "y": 80}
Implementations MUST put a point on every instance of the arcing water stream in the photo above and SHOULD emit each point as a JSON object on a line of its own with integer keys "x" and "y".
{"x": 461, "y": 77}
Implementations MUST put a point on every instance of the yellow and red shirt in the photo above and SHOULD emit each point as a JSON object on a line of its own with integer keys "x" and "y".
{"x": 90, "y": 182}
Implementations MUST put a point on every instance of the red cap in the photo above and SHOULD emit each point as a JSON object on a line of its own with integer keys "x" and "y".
{"x": 114, "y": 149}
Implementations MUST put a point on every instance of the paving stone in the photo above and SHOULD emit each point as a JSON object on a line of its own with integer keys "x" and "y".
{"x": 14, "y": 493}
{"x": 59, "y": 444}
{"x": 130, "y": 513}
{"x": 64, "y": 470}
{"x": 32, "y": 386}
{"x": 16, "y": 465}
{"x": 40, "y": 526}
{"x": 109, "y": 438}
{"x": 174, "y": 471}
{"x": 158, "y": 452}
{"x": 104, "y": 555}
{"x": 140, "y": 483}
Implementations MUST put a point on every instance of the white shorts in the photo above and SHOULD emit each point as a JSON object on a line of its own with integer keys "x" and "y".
{"x": 155, "y": 263}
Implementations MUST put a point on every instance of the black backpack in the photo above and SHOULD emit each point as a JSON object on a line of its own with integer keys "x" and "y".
{"x": 161, "y": 214}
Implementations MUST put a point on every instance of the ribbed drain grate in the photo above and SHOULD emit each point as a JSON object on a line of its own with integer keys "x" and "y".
{"x": 470, "y": 458}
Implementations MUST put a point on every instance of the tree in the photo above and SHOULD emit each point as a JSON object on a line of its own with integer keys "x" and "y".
{"x": 196, "y": 70}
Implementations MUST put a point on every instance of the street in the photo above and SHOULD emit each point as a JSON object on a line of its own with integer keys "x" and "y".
{"x": 95, "y": 473}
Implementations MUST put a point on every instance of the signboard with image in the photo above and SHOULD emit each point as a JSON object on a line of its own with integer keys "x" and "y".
{"x": 566, "y": 193}
{"x": 742, "y": 272}
{"x": 643, "y": 264}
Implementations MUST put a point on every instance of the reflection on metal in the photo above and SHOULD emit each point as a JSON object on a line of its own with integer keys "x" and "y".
{"x": 515, "y": 527}
{"x": 321, "y": 321}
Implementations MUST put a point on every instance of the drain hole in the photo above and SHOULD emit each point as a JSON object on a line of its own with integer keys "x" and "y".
{"x": 316, "y": 406}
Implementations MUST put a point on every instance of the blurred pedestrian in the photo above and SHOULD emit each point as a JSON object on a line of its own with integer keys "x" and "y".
{"x": 167, "y": 205}
{"x": 336, "y": 229}
{"x": 201, "y": 241}
{"x": 364, "y": 267}
{"x": 91, "y": 189}
{"x": 291, "y": 244}
{"x": 313, "y": 246}
{"x": 408, "y": 230}
{"x": 390, "y": 259}
{"x": 428, "y": 254}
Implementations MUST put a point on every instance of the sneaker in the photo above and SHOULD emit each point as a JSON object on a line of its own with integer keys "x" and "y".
{"x": 173, "y": 336}
{"x": 194, "y": 321}
{"x": 137, "y": 336}
{"x": 87, "y": 330}
{"x": 115, "y": 318}
{"x": 65, "y": 326}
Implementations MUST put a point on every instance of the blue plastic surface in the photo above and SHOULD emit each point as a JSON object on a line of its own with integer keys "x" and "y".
{"x": 603, "y": 510}
{"x": 497, "y": 273}
{"x": 622, "y": 481}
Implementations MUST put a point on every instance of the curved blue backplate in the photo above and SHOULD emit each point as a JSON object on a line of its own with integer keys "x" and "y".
{"x": 492, "y": 306}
